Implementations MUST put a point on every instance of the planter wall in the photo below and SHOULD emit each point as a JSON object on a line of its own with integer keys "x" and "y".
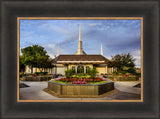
{"x": 124, "y": 78}
{"x": 83, "y": 89}
{"x": 27, "y": 78}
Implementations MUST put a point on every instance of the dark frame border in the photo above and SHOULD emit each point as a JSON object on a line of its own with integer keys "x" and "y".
{"x": 12, "y": 9}
{"x": 78, "y": 18}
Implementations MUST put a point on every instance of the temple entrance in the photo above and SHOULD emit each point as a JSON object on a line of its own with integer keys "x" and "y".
{"x": 80, "y": 69}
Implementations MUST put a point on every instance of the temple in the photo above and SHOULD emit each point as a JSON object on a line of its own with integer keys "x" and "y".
{"x": 79, "y": 60}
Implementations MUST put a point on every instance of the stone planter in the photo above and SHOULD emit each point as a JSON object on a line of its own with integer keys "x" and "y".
{"x": 124, "y": 78}
{"x": 29, "y": 78}
{"x": 80, "y": 89}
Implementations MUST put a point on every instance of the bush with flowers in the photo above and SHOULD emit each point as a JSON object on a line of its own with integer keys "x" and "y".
{"x": 39, "y": 75}
{"x": 80, "y": 78}
{"x": 123, "y": 77}
{"x": 73, "y": 80}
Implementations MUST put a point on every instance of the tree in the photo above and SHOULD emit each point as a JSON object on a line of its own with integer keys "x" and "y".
{"x": 21, "y": 64}
{"x": 36, "y": 56}
{"x": 121, "y": 60}
{"x": 44, "y": 62}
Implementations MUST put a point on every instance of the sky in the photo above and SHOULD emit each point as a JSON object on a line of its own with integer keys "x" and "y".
{"x": 116, "y": 36}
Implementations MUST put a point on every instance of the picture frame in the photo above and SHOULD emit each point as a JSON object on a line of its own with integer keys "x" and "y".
{"x": 149, "y": 108}
{"x": 79, "y": 18}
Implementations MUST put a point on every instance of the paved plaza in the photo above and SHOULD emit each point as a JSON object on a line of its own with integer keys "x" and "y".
{"x": 30, "y": 90}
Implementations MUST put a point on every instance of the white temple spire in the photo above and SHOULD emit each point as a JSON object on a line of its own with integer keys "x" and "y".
{"x": 80, "y": 39}
{"x": 80, "y": 49}
{"x": 101, "y": 49}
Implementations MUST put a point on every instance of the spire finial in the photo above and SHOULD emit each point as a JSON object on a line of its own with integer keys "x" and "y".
{"x": 80, "y": 33}
{"x": 101, "y": 49}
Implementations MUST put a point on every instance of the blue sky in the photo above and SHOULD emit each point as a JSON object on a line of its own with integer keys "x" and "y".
{"x": 116, "y": 36}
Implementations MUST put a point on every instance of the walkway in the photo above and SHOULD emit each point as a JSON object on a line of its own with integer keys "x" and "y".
{"x": 35, "y": 92}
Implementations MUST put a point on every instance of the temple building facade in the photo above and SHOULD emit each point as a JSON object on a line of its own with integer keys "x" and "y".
{"x": 80, "y": 59}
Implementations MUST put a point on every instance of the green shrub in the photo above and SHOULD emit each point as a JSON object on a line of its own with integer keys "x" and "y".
{"x": 81, "y": 76}
{"x": 128, "y": 73}
{"x": 92, "y": 72}
{"x": 132, "y": 70}
{"x": 138, "y": 74}
{"x": 115, "y": 72}
{"x": 37, "y": 73}
{"x": 23, "y": 74}
{"x": 41, "y": 73}
{"x": 44, "y": 73}
{"x": 80, "y": 70}
{"x": 69, "y": 73}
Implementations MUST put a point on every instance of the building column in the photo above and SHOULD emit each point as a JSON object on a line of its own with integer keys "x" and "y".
{"x": 76, "y": 68}
{"x": 106, "y": 70}
{"x": 92, "y": 66}
{"x": 56, "y": 70}
{"x": 84, "y": 69}
{"x": 69, "y": 67}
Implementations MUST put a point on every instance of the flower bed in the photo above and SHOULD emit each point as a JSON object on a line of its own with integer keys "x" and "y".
{"x": 80, "y": 85}
{"x": 123, "y": 77}
{"x": 97, "y": 80}
{"x": 80, "y": 90}
{"x": 34, "y": 77}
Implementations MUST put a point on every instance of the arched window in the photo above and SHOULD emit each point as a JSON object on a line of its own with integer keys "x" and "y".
{"x": 87, "y": 67}
{"x": 80, "y": 69}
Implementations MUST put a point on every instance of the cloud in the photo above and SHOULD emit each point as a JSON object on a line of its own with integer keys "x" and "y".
{"x": 117, "y": 36}
{"x": 58, "y": 29}
{"x": 137, "y": 55}
{"x": 94, "y": 24}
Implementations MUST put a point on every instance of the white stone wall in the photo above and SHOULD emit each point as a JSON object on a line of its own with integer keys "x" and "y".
{"x": 101, "y": 70}
{"x": 61, "y": 70}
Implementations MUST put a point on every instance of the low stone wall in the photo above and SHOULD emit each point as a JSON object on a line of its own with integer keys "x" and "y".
{"x": 80, "y": 89}
{"x": 29, "y": 78}
{"x": 123, "y": 78}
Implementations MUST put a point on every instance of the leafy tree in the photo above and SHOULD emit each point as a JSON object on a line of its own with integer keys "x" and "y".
{"x": 36, "y": 56}
{"x": 121, "y": 60}
{"x": 44, "y": 62}
{"x": 21, "y": 64}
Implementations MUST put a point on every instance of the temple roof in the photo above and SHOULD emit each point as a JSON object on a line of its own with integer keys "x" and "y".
{"x": 80, "y": 59}
{"x": 83, "y": 53}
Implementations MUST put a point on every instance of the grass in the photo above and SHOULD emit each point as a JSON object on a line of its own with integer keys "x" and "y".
{"x": 77, "y": 84}
{"x": 97, "y": 82}
{"x": 62, "y": 82}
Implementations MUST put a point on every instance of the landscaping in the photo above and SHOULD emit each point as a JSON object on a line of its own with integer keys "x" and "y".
{"x": 80, "y": 78}
{"x": 37, "y": 76}
{"x": 80, "y": 90}
{"x": 80, "y": 84}
{"x": 122, "y": 77}
{"x": 97, "y": 80}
